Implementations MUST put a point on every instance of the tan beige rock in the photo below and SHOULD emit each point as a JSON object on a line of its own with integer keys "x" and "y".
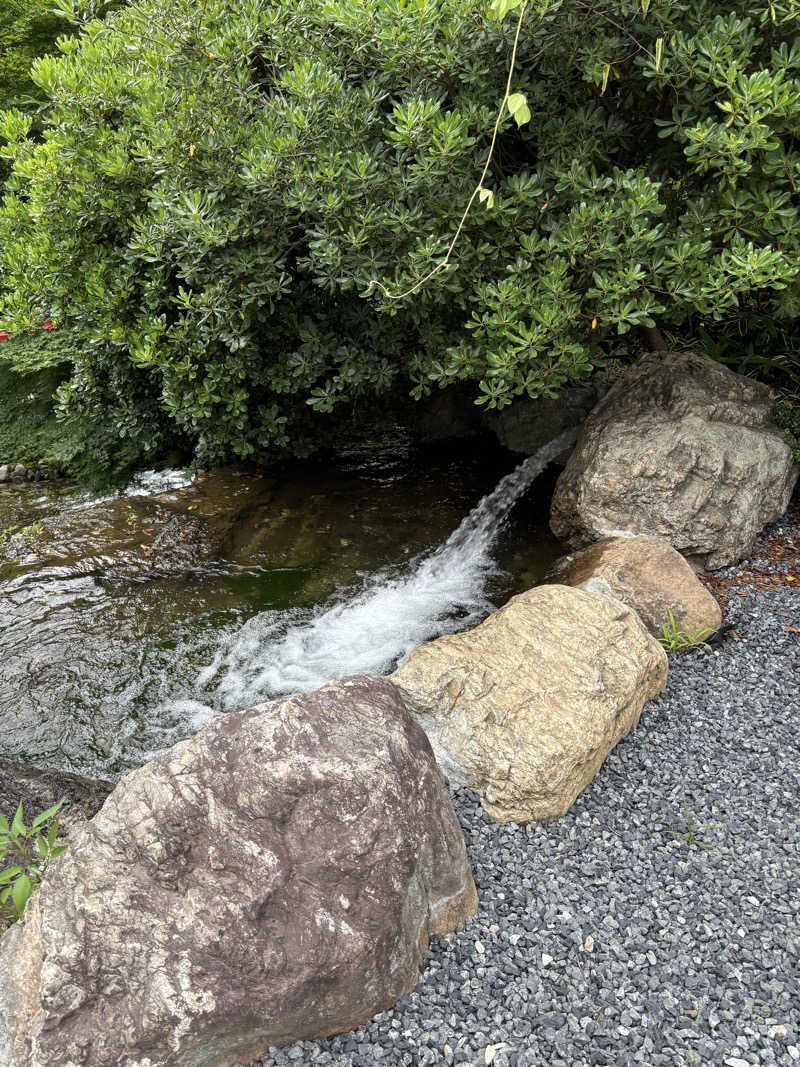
{"x": 525, "y": 707}
{"x": 275, "y": 878}
{"x": 648, "y": 575}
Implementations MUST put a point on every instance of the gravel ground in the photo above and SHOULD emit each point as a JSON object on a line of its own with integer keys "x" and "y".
{"x": 601, "y": 938}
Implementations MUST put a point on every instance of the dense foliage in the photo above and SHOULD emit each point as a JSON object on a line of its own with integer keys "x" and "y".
{"x": 28, "y": 29}
{"x": 219, "y": 185}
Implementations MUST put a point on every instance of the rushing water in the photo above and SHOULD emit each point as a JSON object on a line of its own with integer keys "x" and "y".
{"x": 371, "y": 630}
{"x": 112, "y": 649}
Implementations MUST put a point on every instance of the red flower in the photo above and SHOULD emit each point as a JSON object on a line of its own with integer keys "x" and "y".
{"x": 48, "y": 325}
{"x": 4, "y": 336}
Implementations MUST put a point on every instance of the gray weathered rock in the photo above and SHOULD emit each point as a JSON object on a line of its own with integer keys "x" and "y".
{"x": 526, "y": 425}
{"x": 680, "y": 448}
{"x": 525, "y": 707}
{"x": 4, "y": 473}
{"x": 18, "y": 473}
{"x": 649, "y": 576}
{"x": 277, "y": 877}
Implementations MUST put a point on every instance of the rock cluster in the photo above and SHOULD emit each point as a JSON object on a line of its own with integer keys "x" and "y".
{"x": 18, "y": 472}
{"x": 278, "y": 876}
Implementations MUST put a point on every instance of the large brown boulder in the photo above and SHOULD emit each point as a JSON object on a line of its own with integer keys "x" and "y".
{"x": 680, "y": 448}
{"x": 525, "y": 707}
{"x": 275, "y": 878}
{"x": 649, "y": 576}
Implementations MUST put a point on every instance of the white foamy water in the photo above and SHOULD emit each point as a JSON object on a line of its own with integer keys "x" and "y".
{"x": 145, "y": 483}
{"x": 150, "y": 483}
{"x": 368, "y": 630}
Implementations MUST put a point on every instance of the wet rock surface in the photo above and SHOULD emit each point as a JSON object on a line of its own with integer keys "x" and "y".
{"x": 525, "y": 707}
{"x": 649, "y": 576}
{"x": 277, "y": 877}
{"x": 39, "y": 788}
{"x": 679, "y": 448}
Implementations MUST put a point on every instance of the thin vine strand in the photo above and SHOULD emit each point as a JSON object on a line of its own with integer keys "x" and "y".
{"x": 445, "y": 263}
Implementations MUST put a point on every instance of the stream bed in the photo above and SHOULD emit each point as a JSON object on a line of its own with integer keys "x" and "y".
{"x": 127, "y": 622}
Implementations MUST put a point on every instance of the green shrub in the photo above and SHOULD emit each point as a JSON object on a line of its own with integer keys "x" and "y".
{"x": 219, "y": 185}
{"x": 28, "y": 29}
{"x": 28, "y": 851}
{"x": 89, "y": 448}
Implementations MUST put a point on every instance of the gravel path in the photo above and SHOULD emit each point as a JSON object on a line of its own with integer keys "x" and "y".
{"x": 600, "y": 938}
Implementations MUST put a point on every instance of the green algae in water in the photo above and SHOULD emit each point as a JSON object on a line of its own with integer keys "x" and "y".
{"x": 269, "y": 590}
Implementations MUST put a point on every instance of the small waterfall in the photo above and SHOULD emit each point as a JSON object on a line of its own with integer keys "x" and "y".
{"x": 370, "y": 631}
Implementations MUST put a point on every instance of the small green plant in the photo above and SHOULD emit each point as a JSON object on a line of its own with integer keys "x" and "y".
{"x": 692, "y": 829}
{"x": 29, "y": 850}
{"x": 27, "y": 535}
{"x": 31, "y": 533}
{"x": 5, "y": 535}
{"x": 674, "y": 639}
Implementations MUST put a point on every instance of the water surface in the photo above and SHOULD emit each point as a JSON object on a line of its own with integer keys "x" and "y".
{"x": 125, "y": 624}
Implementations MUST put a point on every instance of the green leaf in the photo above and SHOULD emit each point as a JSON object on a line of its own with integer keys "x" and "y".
{"x": 9, "y": 874}
{"x": 21, "y": 892}
{"x": 37, "y": 822}
{"x": 52, "y": 833}
{"x": 486, "y": 196}
{"x": 522, "y": 115}
{"x": 659, "y": 53}
{"x": 18, "y": 826}
{"x": 502, "y": 7}
{"x": 515, "y": 102}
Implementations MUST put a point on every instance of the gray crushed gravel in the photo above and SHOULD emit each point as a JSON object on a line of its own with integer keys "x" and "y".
{"x": 600, "y": 938}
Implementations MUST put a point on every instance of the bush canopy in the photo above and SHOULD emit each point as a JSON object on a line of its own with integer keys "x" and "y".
{"x": 218, "y": 187}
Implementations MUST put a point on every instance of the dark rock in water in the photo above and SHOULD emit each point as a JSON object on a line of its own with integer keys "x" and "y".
{"x": 275, "y": 878}
{"x": 169, "y": 533}
{"x": 39, "y": 788}
{"x": 679, "y": 448}
{"x": 447, "y": 415}
{"x": 527, "y": 425}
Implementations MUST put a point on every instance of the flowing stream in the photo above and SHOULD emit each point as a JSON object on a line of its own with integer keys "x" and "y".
{"x": 371, "y": 630}
{"x": 126, "y": 623}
